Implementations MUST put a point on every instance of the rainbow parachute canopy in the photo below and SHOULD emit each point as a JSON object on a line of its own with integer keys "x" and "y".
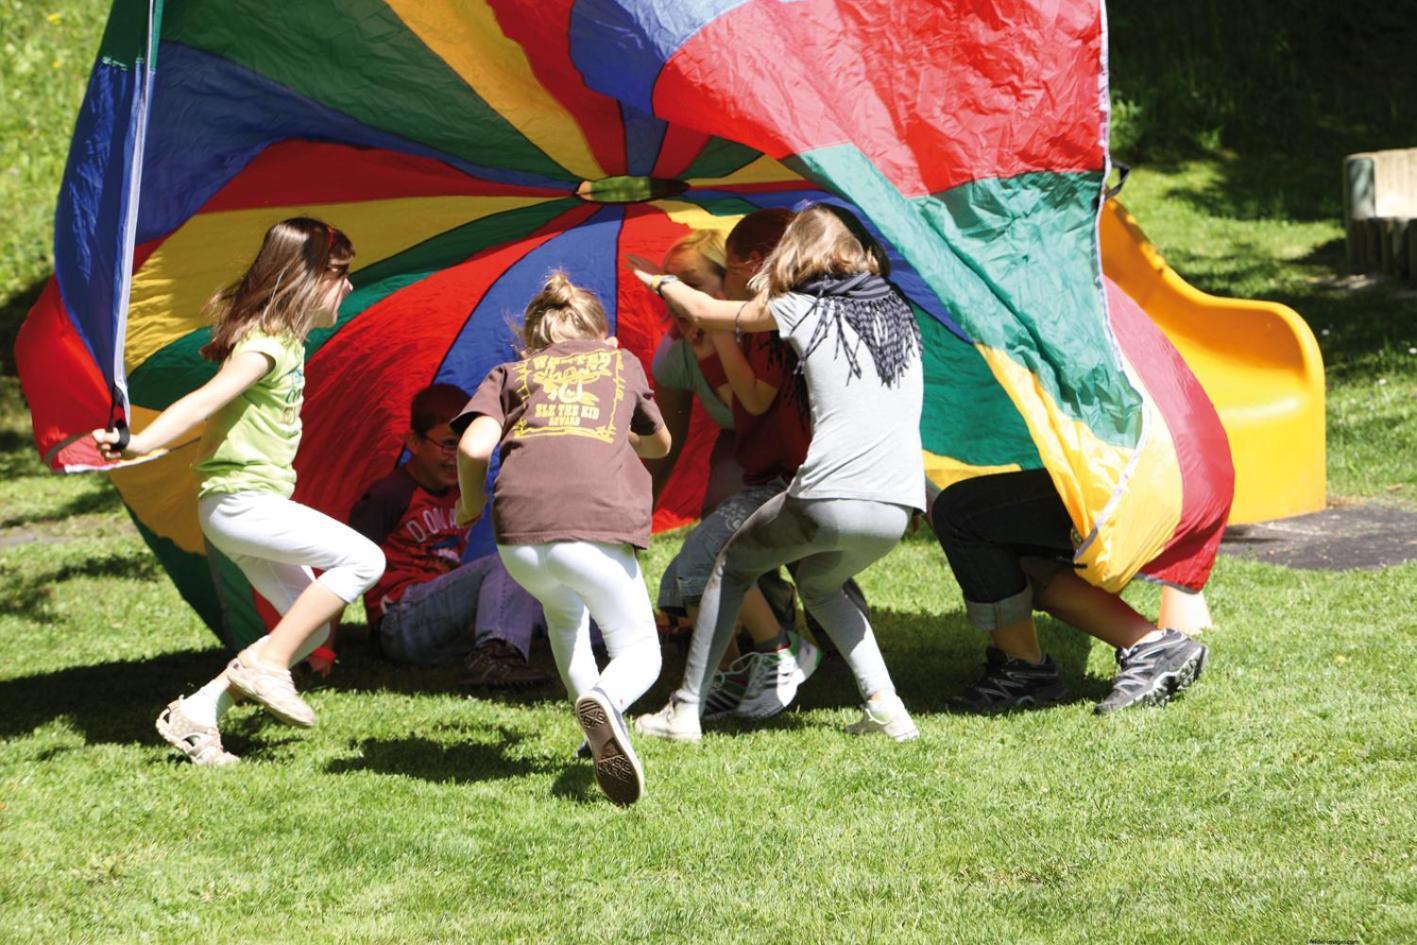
{"x": 468, "y": 147}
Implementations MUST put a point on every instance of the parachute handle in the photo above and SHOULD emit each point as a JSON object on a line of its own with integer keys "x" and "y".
{"x": 1123, "y": 172}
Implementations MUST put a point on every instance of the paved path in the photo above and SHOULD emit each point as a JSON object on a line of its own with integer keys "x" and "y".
{"x": 1338, "y": 539}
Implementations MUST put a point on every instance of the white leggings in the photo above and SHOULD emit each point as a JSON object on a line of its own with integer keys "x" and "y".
{"x": 276, "y": 542}
{"x": 577, "y": 580}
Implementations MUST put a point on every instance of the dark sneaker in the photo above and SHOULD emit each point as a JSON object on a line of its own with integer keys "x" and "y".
{"x": 497, "y": 664}
{"x": 1151, "y": 673}
{"x": 1009, "y": 684}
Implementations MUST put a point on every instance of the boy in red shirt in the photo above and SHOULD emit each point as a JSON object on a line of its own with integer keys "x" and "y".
{"x": 430, "y": 607}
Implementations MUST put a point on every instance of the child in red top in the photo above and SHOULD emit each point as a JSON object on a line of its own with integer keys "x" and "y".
{"x": 430, "y": 607}
{"x": 571, "y": 503}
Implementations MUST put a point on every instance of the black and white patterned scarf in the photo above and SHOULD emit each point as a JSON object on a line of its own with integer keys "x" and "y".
{"x": 878, "y": 314}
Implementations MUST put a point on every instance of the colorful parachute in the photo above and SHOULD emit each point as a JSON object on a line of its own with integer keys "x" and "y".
{"x": 468, "y": 146}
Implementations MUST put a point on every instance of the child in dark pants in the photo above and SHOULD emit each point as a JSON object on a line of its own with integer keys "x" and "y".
{"x": 1010, "y": 543}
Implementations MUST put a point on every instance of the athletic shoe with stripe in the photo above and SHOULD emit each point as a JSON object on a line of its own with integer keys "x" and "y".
{"x": 1008, "y": 684}
{"x": 1151, "y": 673}
{"x": 775, "y": 677}
{"x": 727, "y": 687}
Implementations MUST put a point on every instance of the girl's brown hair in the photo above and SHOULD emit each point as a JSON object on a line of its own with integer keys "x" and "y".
{"x": 561, "y": 311}
{"x": 822, "y": 240}
{"x": 282, "y": 291}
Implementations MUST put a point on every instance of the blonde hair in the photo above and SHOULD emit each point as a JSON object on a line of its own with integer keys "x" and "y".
{"x": 708, "y": 245}
{"x": 820, "y": 241}
{"x": 282, "y": 290}
{"x": 561, "y": 311}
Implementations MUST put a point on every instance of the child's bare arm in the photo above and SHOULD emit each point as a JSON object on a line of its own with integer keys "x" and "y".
{"x": 652, "y": 445}
{"x": 237, "y": 373}
{"x": 755, "y": 394}
{"x": 701, "y": 310}
{"x": 474, "y": 453}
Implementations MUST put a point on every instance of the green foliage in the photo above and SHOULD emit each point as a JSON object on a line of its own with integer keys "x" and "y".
{"x": 48, "y": 49}
{"x": 1291, "y": 76}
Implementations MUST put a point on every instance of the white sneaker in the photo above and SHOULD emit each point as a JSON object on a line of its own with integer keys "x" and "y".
{"x": 775, "y": 677}
{"x": 617, "y": 768}
{"x": 677, "y": 721}
{"x": 728, "y": 686}
{"x": 886, "y": 715}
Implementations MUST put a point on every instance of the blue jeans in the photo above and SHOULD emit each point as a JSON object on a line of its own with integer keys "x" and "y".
{"x": 442, "y": 620}
{"x": 683, "y": 582}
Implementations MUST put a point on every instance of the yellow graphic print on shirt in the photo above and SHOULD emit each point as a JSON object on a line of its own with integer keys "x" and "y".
{"x": 565, "y": 396}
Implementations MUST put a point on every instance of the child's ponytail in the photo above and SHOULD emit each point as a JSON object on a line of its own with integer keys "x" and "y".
{"x": 561, "y": 311}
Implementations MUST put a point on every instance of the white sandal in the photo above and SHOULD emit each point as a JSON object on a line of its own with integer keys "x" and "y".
{"x": 271, "y": 687}
{"x": 200, "y": 743}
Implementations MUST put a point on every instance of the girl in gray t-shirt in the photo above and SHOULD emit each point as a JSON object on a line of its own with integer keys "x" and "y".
{"x": 859, "y": 351}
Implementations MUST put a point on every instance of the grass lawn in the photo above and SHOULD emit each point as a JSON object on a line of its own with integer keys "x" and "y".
{"x": 1275, "y": 803}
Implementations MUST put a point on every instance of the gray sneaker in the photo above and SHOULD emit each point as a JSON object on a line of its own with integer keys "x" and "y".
{"x": 1151, "y": 673}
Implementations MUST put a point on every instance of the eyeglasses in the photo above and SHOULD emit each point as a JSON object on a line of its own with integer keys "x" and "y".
{"x": 448, "y": 446}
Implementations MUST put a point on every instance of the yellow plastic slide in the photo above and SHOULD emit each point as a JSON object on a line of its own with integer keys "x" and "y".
{"x": 1258, "y": 361}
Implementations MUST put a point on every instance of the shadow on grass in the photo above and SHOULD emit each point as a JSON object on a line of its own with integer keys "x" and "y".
{"x": 30, "y": 595}
{"x": 99, "y": 501}
{"x": 459, "y": 763}
{"x": 108, "y": 703}
{"x": 931, "y": 659}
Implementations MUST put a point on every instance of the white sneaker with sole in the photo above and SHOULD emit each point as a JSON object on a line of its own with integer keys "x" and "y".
{"x": 617, "y": 768}
{"x": 677, "y": 721}
{"x": 775, "y": 678}
{"x": 888, "y": 716}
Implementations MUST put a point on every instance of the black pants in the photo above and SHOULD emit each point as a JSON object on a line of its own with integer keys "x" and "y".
{"x": 987, "y": 526}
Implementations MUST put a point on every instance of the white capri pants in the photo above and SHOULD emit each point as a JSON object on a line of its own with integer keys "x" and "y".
{"x": 276, "y": 543}
{"x": 578, "y": 580}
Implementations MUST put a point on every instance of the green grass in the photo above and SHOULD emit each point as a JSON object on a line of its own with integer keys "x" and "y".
{"x": 1275, "y": 803}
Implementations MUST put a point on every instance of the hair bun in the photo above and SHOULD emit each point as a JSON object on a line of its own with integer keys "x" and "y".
{"x": 558, "y": 292}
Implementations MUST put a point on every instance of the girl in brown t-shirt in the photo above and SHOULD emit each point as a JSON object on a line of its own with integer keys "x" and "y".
{"x": 571, "y": 504}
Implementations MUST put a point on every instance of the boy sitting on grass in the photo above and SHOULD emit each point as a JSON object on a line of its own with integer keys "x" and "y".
{"x": 430, "y": 607}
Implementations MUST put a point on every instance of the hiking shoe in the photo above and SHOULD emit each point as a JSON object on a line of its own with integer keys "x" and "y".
{"x": 886, "y": 715}
{"x": 617, "y": 770}
{"x": 497, "y": 664}
{"x": 1008, "y": 684}
{"x": 727, "y": 687}
{"x": 677, "y": 721}
{"x": 271, "y": 687}
{"x": 1151, "y": 673}
{"x": 775, "y": 677}
{"x": 200, "y": 743}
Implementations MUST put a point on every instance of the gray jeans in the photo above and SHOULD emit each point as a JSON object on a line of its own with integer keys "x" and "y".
{"x": 833, "y": 540}
{"x": 441, "y": 620}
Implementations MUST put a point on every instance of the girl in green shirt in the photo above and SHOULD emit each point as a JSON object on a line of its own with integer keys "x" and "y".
{"x": 246, "y": 476}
